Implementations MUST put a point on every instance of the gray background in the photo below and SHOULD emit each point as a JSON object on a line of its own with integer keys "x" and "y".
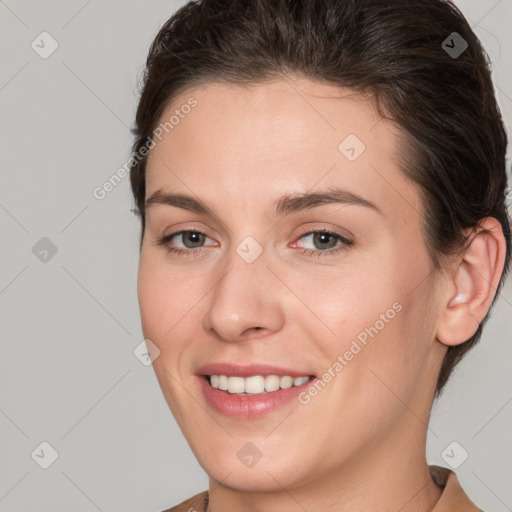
{"x": 70, "y": 324}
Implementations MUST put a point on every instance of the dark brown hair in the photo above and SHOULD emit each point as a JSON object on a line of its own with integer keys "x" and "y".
{"x": 403, "y": 52}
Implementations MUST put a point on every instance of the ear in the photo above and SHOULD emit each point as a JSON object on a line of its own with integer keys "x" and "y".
{"x": 472, "y": 283}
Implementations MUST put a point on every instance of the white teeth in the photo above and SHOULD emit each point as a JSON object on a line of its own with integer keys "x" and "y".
{"x": 272, "y": 383}
{"x": 236, "y": 385}
{"x": 255, "y": 384}
{"x": 286, "y": 382}
{"x": 223, "y": 382}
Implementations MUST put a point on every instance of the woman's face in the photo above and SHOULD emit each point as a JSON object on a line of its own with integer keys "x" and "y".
{"x": 257, "y": 290}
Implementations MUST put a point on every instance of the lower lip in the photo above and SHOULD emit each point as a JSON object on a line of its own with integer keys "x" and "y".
{"x": 249, "y": 406}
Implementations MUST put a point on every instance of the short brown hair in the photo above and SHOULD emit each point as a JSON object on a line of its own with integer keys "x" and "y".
{"x": 396, "y": 50}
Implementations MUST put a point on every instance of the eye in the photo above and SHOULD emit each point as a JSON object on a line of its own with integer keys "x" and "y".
{"x": 325, "y": 242}
{"x": 191, "y": 240}
{"x": 329, "y": 242}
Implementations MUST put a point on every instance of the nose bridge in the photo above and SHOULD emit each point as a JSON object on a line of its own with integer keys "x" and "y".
{"x": 244, "y": 297}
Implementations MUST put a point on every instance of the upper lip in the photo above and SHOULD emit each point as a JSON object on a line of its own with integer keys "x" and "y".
{"x": 248, "y": 370}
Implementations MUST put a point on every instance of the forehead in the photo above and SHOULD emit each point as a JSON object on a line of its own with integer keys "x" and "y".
{"x": 252, "y": 144}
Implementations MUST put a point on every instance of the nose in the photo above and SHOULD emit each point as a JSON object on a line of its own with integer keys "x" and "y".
{"x": 246, "y": 300}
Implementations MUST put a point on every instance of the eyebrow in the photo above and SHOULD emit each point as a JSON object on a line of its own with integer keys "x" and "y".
{"x": 284, "y": 205}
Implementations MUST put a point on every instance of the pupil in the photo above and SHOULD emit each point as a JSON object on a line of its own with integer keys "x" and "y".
{"x": 195, "y": 237}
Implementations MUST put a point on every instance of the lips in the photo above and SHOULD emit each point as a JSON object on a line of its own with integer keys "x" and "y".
{"x": 250, "y": 406}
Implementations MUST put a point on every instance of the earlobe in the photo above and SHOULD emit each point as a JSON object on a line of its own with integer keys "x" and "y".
{"x": 472, "y": 284}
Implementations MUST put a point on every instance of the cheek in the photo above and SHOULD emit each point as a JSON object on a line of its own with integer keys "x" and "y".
{"x": 152, "y": 299}
{"x": 163, "y": 301}
{"x": 395, "y": 336}
{"x": 345, "y": 305}
{"x": 168, "y": 314}
{"x": 374, "y": 319}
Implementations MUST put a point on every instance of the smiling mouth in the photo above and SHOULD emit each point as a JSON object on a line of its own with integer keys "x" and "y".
{"x": 255, "y": 384}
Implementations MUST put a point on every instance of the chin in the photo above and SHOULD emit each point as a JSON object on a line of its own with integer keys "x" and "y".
{"x": 255, "y": 479}
{"x": 239, "y": 465}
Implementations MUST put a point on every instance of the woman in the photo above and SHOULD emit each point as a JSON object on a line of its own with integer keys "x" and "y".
{"x": 321, "y": 187}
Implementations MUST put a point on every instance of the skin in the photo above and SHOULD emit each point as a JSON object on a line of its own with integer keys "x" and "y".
{"x": 360, "y": 443}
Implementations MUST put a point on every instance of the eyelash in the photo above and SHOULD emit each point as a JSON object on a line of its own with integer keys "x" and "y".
{"x": 316, "y": 253}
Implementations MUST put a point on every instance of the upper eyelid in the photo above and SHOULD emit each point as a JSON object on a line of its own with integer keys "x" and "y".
{"x": 318, "y": 225}
{"x": 310, "y": 230}
{"x": 167, "y": 238}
